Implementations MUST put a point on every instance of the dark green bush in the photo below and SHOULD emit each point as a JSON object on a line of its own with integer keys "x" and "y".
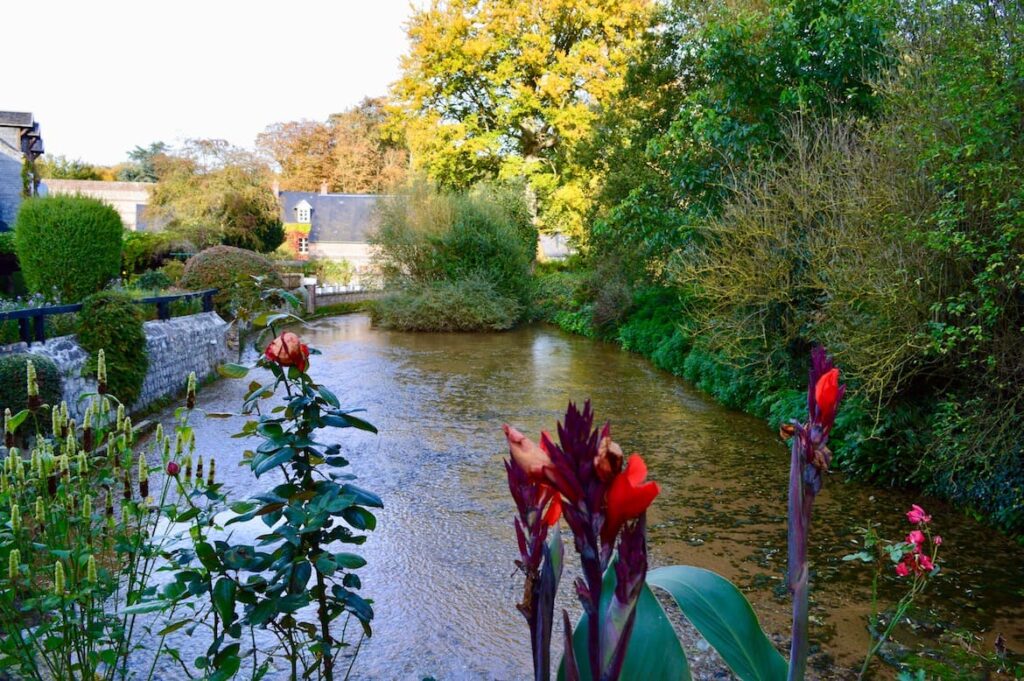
{"x": 465, "y": 305}
{"x": 112, "y": 322}
{"x": 13, "y": 386}
{"x": 152, "y": 280}
{"x": 68, "y": 243}
{"x": 231, "y": 270}
{"x": 144, "y": 250}
{"x": 7, "y": 242}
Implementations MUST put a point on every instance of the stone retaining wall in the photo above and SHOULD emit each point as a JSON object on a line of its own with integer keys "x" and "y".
{"x": 176, "y": 347}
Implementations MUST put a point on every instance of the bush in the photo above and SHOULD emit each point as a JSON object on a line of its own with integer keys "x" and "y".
{"x": 231, "y": 271}
{"x": 112, "y": 322}
{"x": 466, "y": 305}
{"x": 70, "y": 243}
{"x": 151, "y": 280}
{"x": 173, "y": 270}
{"x": 428, "y": 237}
{"x": 13, "y": 386}
{"x": 143, "y": 251}
{"x": 6, "y": 242}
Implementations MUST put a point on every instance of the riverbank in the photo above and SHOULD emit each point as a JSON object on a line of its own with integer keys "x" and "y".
{"x": 892, "y": 445}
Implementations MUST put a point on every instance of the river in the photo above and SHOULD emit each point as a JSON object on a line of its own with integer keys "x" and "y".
{"x": 441, "y": 560}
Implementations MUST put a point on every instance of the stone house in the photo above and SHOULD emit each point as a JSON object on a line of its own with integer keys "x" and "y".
{"x": 331, "y": 226}
{"x": 21, "y": 143}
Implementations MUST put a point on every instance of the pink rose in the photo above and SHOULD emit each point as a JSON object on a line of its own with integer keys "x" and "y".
{"x": 916, "y": 515}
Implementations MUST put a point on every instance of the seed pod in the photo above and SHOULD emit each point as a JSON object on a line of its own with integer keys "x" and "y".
{"x": 14, "y": 566}
{"x": 213, "y": 468}
{"x": 101, "y": 373}
{"x": 58, "y": 578}
{"x": 90, "y": 570}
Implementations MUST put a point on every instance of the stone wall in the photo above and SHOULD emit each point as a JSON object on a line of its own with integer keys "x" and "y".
{"x": 124, "y": 197}
{"x": 176, "y": 347}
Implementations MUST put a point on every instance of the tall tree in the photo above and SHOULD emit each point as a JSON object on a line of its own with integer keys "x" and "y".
{"x": 61, "y": 167}
{"x": 212, "y": 193}
{"x": 145, "y": 163}
{"x": 353, "y": 151}
{"x": 510, "y": 88}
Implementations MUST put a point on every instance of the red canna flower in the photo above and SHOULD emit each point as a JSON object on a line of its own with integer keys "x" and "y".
{"x": 532, "y": 459}
{"x": 826, "y": 396}
{"x": 628, "y": 496}
{"x": 554, "y": 511}
{"x": 287, "y": 350}
{"x": 917, "y": 515}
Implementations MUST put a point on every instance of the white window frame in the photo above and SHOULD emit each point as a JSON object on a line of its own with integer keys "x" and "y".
{"x": 302, "y": 214}
{"x": 303, "y": 245}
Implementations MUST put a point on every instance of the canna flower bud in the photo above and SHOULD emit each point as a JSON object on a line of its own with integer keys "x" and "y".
{"x": 101, "y": 372}
{"x": 213, "y": 468}
{"x": 58, "y": 578}
{"x": 14, "y": 565}
{"x": 90, "y": 570}
{"x": 190, "y": 391}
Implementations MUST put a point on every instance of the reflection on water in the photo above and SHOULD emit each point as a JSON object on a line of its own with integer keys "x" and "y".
{"x": 441, "y": 561}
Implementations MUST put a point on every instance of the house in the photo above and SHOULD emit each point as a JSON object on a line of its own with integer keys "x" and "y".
{"x": 21, "y": 143}
{"x": 129, "y": 199}
{"x": 331, "y": 226}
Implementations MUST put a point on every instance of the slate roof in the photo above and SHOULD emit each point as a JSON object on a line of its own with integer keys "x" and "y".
{"x": 16, "y": 119}
{"x": 349, "y": 218}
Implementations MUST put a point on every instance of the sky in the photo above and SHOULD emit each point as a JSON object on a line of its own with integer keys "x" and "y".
{"x": 102, "y": 76}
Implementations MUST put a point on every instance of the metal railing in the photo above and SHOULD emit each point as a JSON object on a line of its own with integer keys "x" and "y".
{"x": 32, "y": 321}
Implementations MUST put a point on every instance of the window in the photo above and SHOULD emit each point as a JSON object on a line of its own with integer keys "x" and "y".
{"x": 304, "y": 243}
{"x": 302, "y": 214}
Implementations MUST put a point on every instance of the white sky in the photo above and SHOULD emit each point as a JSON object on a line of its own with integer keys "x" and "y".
{"x": 102, "y": 76}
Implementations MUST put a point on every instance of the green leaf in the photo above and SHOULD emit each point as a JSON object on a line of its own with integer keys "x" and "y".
{"x": 19, "y": 418}
{"x": 224, "y": 599}
{"x": 724, "y": 617}
{"x": 349, "y": 561}
{"x": 143, "y": 608}
{"x": 653, "y": 653}
{"x": 173, "y": 627}
{"x": 230, "y": 370}
{"x": 283, "y": 456}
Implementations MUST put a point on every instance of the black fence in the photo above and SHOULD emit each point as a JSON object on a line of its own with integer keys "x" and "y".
{"x": 32, "y": 321}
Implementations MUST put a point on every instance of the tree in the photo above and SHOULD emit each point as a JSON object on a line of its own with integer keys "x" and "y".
{"x": 509, "y": 88}
{"x": 353, "y": 151}
{"x": 211, "y": 193}
{"x": 61, "y": 167}
{"x": 145, "y": 163}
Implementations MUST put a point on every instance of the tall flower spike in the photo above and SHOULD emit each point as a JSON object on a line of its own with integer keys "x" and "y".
{"x": 55, "y": 422}
{"x": 14, "y": 566}
{"x": 101, "y": 372}
{"x": 120, "y": 417}
{"x": 32, "y": 387}
{"x": 58, "y": 578}
{"x": 40, "y": 512}
{"x": 190, "y": 391}
{"x": 15, "y": 518}
{"x": 213, "y": 471}
{"x": 8, "y": 428}
{"x": 143, "y": 476}
{"x": 90, "y": 570}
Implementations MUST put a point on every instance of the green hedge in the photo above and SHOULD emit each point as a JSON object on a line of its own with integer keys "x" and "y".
{"x": 13, "y": 382}
{"x": 68, "y": 243}
{"x": 112, "y": 322}
{"x": 464, "y": 305}
{"x": 231, "y": 270}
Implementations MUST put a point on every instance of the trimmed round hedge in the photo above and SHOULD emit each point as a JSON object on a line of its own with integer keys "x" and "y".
{"x": 71, "y": 243}
{"x": 13, "y": 381}
{"x": 231, "y": 270}
{"x": 110, "y": 321}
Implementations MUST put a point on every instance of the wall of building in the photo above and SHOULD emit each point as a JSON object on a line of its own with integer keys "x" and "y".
{"x": 176, "y": 347}
{"x": 10, "y": 175}
{"x": 124, "y": 197}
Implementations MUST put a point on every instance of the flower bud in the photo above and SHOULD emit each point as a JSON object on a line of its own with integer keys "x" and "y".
{"x": 19, "y": 471}
{"x": 15, "y": 518}
{"x": 58, "y": 578}
{"x": 90, "y": 570}
{"x": 109, "y": 510}
{"x": 14, "y": 565}
{"x": 55, "y": 421}
{"x": 8, "y": 429}
{"x": 101, "y": 372}
{"x": 70, "y": 445}
{"x": 129, "y": 430}
{"x": 32, "y": 387}
{"x": 165, "y": 456}
{"x": 188, "y": 468}
{"x": 127, "y": 487}
{"x": 173, "y": 469}
{"x": 199, "y": 469}
{"x": 87, "y": 506}
{"x": 159, "y": 435}
{"x": 213, "y": 468}
{"x": 120, "y": 417}
{"x": 190, "y": 391}
{"x": 40, "y": 511}
{"x": 3, "y": 483}
{"x": 83, "y": 463}
{"x": 143, "y": 476}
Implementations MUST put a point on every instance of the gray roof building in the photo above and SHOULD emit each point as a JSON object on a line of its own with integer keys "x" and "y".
{"x": 344, "y": 218}
{"x": 20, "y": 142}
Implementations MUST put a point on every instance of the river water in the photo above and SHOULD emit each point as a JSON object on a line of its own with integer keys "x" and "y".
{"x": 441, "y": 560}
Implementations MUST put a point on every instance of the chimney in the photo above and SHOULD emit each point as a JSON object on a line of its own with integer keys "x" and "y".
{"x": 276, "y": 188}
{"x": 323, "y": 188}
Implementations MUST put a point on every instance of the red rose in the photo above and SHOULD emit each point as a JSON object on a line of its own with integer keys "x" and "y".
{"x": 173, "y": 469}
{"x": 287, "y": 350}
